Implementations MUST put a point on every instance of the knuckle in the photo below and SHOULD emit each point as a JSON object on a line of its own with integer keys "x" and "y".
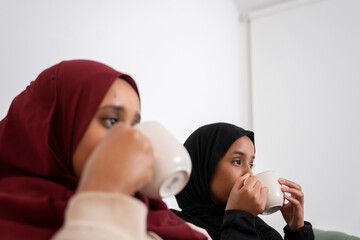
{"x": 137, "y": 137}
{"x": 132, "y": 134}
{"x": 256, "y": 199}
{"x": 259, "y": 183}
{"x": 146, "y": 147}
{"x": 247, "y": 191}
{"x": 262, "y": 207}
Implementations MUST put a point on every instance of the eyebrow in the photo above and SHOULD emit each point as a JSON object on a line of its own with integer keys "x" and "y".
{"x": 242, "y": 154}
{"x": 120, "y": 109}
{"x": 117, "y": 108}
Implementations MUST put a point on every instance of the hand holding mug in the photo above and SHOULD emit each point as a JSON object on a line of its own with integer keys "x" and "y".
{"x": 293, "y": 211}
{"x": 249, "y": 196}
{"x": 122, "y": 162}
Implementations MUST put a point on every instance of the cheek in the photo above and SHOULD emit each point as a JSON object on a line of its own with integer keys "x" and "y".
{"x": 222, "y": 184}
{"x": 230, "y": 179}
{"x": 85, "y": 147}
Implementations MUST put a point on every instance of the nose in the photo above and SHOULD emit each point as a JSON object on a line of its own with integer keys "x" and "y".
{"x": 249, "y": 170}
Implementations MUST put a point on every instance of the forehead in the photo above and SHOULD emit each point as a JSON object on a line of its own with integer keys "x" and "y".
{"x": 121, "y": 93}
{"x": 244, "y": 143}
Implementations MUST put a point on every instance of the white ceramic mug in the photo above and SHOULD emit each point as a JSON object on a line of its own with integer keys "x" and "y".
{"x": 172, "y": 165}
{"x": 275, "y": 198}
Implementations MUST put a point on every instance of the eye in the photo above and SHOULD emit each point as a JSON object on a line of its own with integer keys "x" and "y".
{"x": 252, "y": 165}
{"x": 109, "y": 122}
{"x": 236, "y": 162}
{"x": 135, "y": 122}
{"x": 113, "y": 120}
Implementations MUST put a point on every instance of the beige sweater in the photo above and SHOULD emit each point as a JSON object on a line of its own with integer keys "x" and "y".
{"x": 102, "y": 215}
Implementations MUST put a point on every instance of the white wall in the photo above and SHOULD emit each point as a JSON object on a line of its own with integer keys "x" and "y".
{"x": 306, "y": 85}
{"x": 185, "y": 55}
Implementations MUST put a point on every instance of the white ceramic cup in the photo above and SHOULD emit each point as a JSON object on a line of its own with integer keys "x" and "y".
{"x": 172, "y": 165}
{"x": 275, "y": 198}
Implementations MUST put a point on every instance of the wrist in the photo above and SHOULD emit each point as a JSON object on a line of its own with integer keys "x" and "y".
{"x": 296, "y": 228}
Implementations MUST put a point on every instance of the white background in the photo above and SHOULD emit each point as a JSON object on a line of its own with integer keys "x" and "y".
{"x": 306, "y": 91}
{"x": 189, "y": 60}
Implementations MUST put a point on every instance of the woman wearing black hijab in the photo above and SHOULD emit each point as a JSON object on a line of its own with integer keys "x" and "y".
{"x": 216, "y": 197}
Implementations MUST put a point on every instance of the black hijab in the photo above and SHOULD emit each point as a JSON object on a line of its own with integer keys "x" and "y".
{"x": 207, "y": 146}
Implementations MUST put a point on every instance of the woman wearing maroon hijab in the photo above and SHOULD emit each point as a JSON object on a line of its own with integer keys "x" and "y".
{"x": 67, "y": 144}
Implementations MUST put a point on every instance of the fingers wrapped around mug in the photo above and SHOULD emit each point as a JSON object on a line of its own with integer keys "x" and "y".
{"x": 293, "y": 210}
{"x": 122, "y": 162}
{"x": 249, "y": 196}
{"x": 296, "y": 195}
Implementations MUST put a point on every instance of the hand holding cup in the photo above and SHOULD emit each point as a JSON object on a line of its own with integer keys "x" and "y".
{"x": 247, "y": 194}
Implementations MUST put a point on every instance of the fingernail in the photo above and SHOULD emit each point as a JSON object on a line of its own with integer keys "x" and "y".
{"x": 246, "y": 176}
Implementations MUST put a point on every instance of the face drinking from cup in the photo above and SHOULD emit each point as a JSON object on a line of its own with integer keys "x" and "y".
{"x": 120, "y": 104}
{"x": 237, "y": 161}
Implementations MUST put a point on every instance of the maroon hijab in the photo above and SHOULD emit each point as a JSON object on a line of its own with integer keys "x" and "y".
{"x": 37, "y": 140}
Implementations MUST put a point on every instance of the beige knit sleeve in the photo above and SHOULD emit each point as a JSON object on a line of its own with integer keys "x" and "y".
{"x": 102, "y": 215}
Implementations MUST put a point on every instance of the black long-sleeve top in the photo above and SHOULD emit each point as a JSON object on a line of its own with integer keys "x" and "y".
{"x": 238, "y": 224}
